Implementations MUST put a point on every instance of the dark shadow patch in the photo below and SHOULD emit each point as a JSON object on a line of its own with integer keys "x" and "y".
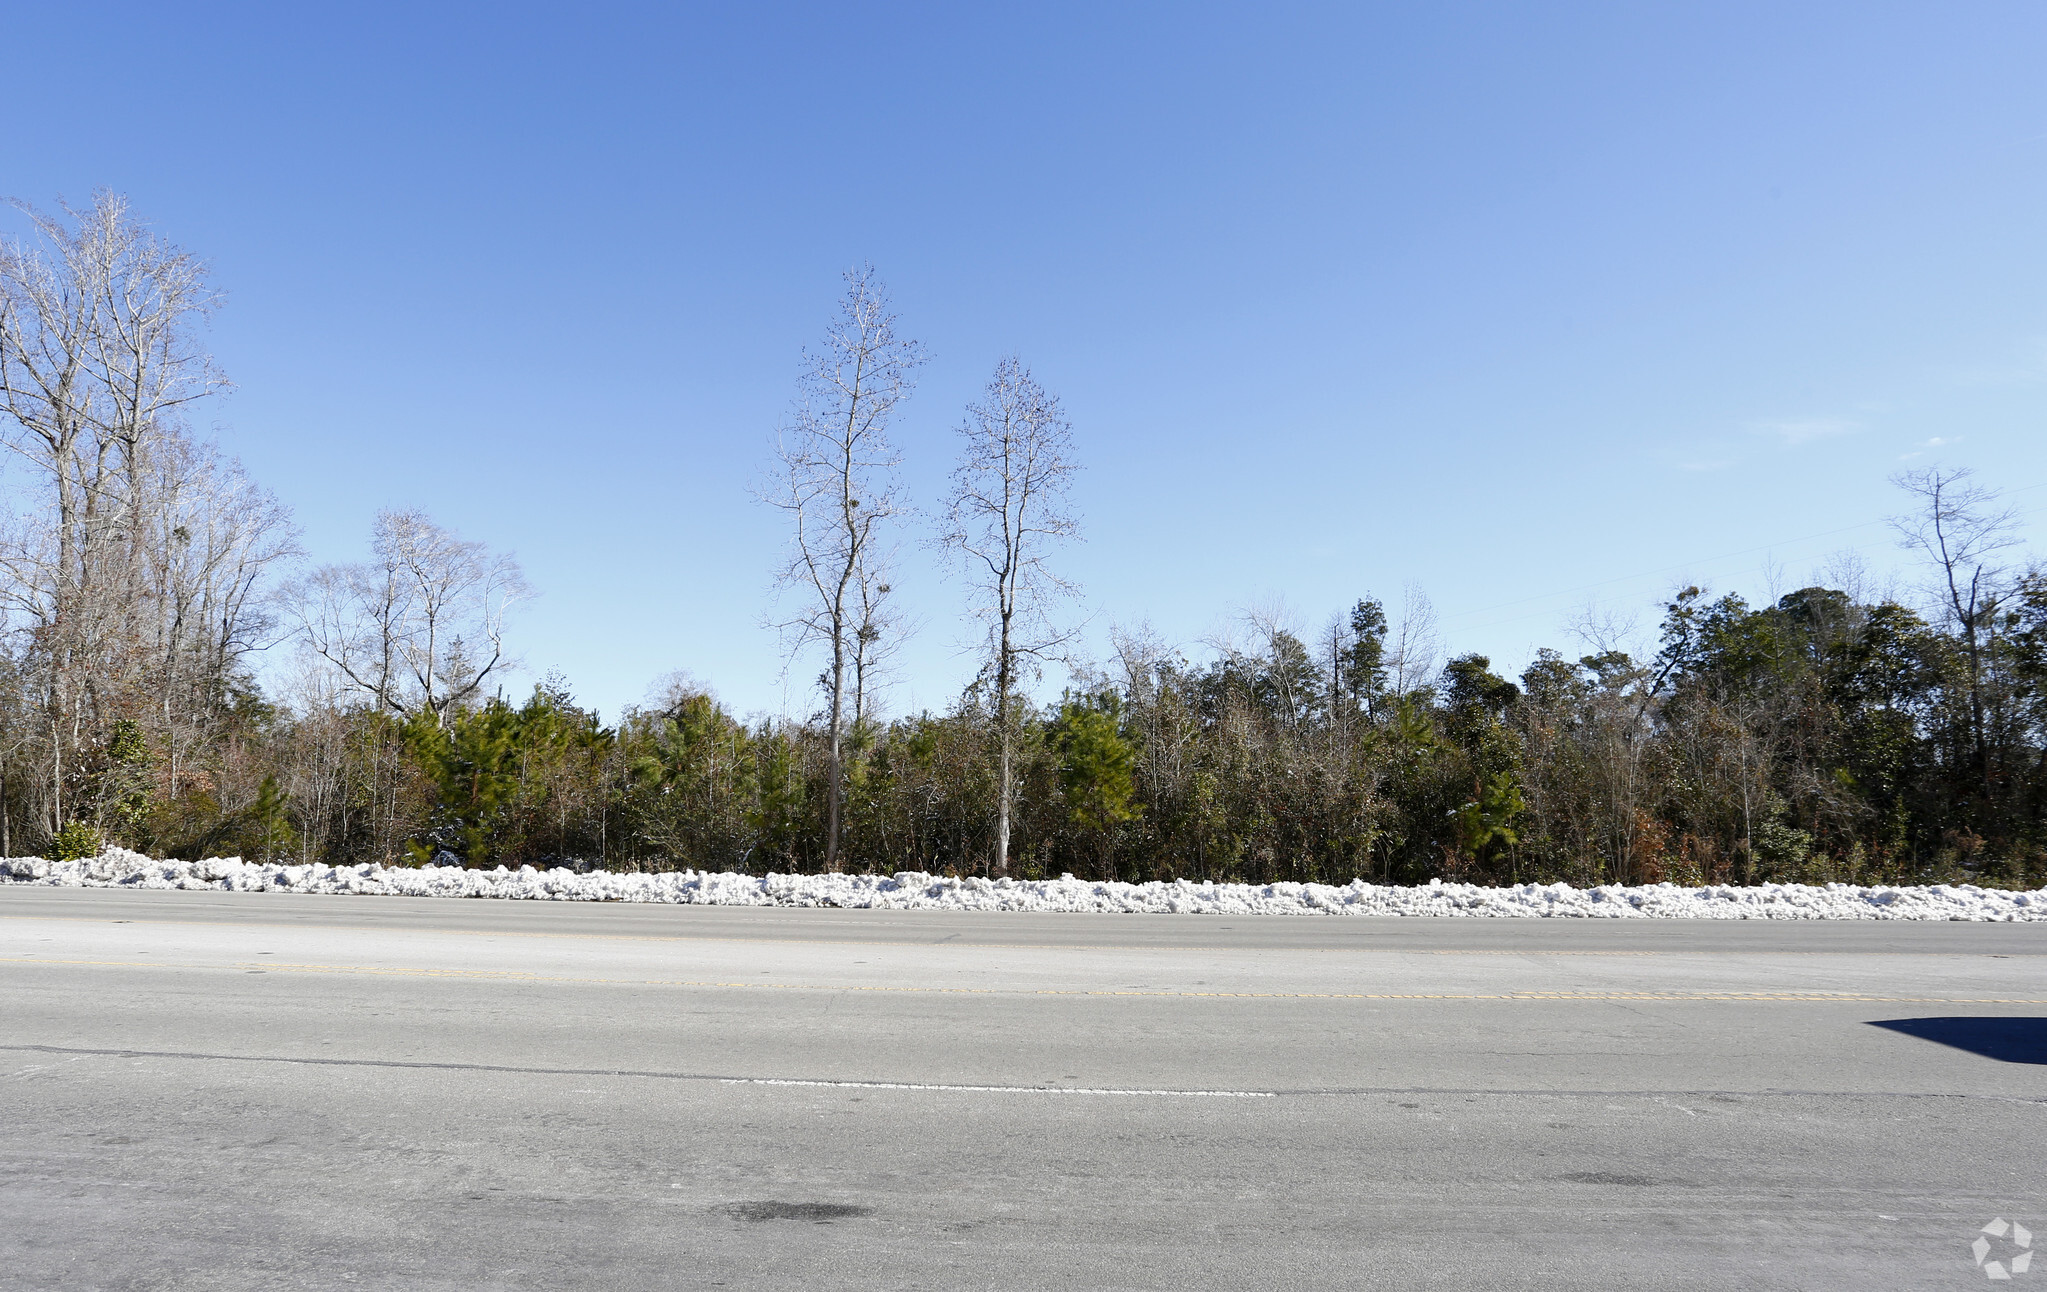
{"x": 816, "y": 1212}
{"x": 1608, "y": 1177}
{"x": 2008, "y": 1040}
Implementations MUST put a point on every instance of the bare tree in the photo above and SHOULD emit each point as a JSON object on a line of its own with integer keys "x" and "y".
{"x": 209, "y": 536}
{"x": 1960, "y": 529}
{"x": 1288, "y": 679}
{"x": 1415, "y": 648}
{"x": 407, "y": 629}
{"x": 879, "y": 637}
{"x": 99, "y": 358}
{"x": 1007, "y": 507}
{"x": 837, "y": 484}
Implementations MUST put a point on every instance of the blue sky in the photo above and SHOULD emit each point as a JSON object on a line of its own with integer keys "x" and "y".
{"x": 1531, "y": 306}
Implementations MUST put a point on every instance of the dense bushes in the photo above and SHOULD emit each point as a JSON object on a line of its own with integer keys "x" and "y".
{"x": 1818, "y": 738}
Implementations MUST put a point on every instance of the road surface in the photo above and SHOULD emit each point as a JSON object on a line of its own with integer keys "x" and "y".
{"x": 227, "y": 1091}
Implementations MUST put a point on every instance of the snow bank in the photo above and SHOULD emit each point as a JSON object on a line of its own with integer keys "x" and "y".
{"x": 916, "y": 891}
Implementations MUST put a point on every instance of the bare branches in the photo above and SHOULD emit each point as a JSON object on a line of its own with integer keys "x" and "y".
{"x": 417, "y": 630}
{"x": 135, "y": 555}
{"x": 837, "y": 484}
{"x": 207, "y": 539}
{"x": 1959, "y": 529}
{"x": 1008, "y": 506}
{"x": 1416, "y": 645}
{"x": 99, "y": 348}
{"x": 837, "y": 465}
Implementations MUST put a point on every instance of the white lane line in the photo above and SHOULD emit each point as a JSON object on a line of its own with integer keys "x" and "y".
{"x": 1003, "y": 1090}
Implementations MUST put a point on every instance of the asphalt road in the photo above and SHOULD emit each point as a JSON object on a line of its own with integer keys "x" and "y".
{"x": 209, "y": 1090}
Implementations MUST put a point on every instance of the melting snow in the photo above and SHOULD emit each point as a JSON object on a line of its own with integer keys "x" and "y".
{"x": 914, "y": 890}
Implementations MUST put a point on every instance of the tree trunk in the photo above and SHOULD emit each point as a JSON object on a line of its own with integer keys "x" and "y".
{"x": 834, "y": 789}
{"x": 1000, "y": 866}
{"x": 56, "y": 777}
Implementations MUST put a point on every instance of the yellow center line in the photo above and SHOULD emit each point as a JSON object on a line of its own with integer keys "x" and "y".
{"x": 514, "y": 975}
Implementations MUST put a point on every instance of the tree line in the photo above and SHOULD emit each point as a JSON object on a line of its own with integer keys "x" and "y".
{"x": 1829, "y": 734}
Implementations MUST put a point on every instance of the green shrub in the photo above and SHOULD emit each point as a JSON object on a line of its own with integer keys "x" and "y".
{"x": 77, "y": 841}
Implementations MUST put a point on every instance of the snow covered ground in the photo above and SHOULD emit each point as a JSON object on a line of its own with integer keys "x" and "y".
{"x": 913, "y": 890}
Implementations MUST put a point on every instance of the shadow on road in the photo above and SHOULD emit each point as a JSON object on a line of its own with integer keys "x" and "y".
{"x": 2009, "y": 1040}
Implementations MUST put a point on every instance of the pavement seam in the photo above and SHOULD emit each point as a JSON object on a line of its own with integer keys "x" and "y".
{"x": 936, "y": 1087}
{"x": 655, "y": 1074}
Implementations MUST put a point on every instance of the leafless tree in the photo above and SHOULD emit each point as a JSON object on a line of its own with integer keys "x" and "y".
{"x": 1412, "y": 662}
{"x": 882, "y": 630}
{"x": 837, "y": 484}
{"x": 99, "y": 359}
{"x": 407, "y": 629}
{"x": 1959, "y": 529}
{"x": 1282, "y": 661}
{"x": 1007, "y": 507}
{"x": 209, "y": 537}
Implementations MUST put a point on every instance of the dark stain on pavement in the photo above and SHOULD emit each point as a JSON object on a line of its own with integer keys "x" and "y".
{"x": 816, "y": 1212}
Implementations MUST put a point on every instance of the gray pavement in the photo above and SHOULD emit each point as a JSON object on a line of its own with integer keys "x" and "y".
{"x": 208, "y": 1090}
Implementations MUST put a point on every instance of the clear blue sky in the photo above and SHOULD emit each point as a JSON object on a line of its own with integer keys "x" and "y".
{"x": 1526, "y": 304}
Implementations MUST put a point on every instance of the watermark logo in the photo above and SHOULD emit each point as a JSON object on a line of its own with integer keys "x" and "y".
{"x": 2014, "y": 1249}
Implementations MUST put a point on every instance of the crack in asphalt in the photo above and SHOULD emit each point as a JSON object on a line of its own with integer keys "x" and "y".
{"x": 940, "y": 1087}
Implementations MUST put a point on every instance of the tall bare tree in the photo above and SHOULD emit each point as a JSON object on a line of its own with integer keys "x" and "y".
{"x": 837, "y": 484}
{"x": 408, "y": 629}
{"x": 1007, "y": 508}
{"x": 99, "y": 358}
{"x": 1416, "y": 645}
{"x": 1959, "y": 529}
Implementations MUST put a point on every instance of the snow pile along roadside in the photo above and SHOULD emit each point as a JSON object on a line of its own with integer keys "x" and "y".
{"x": 914, "y": 890}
